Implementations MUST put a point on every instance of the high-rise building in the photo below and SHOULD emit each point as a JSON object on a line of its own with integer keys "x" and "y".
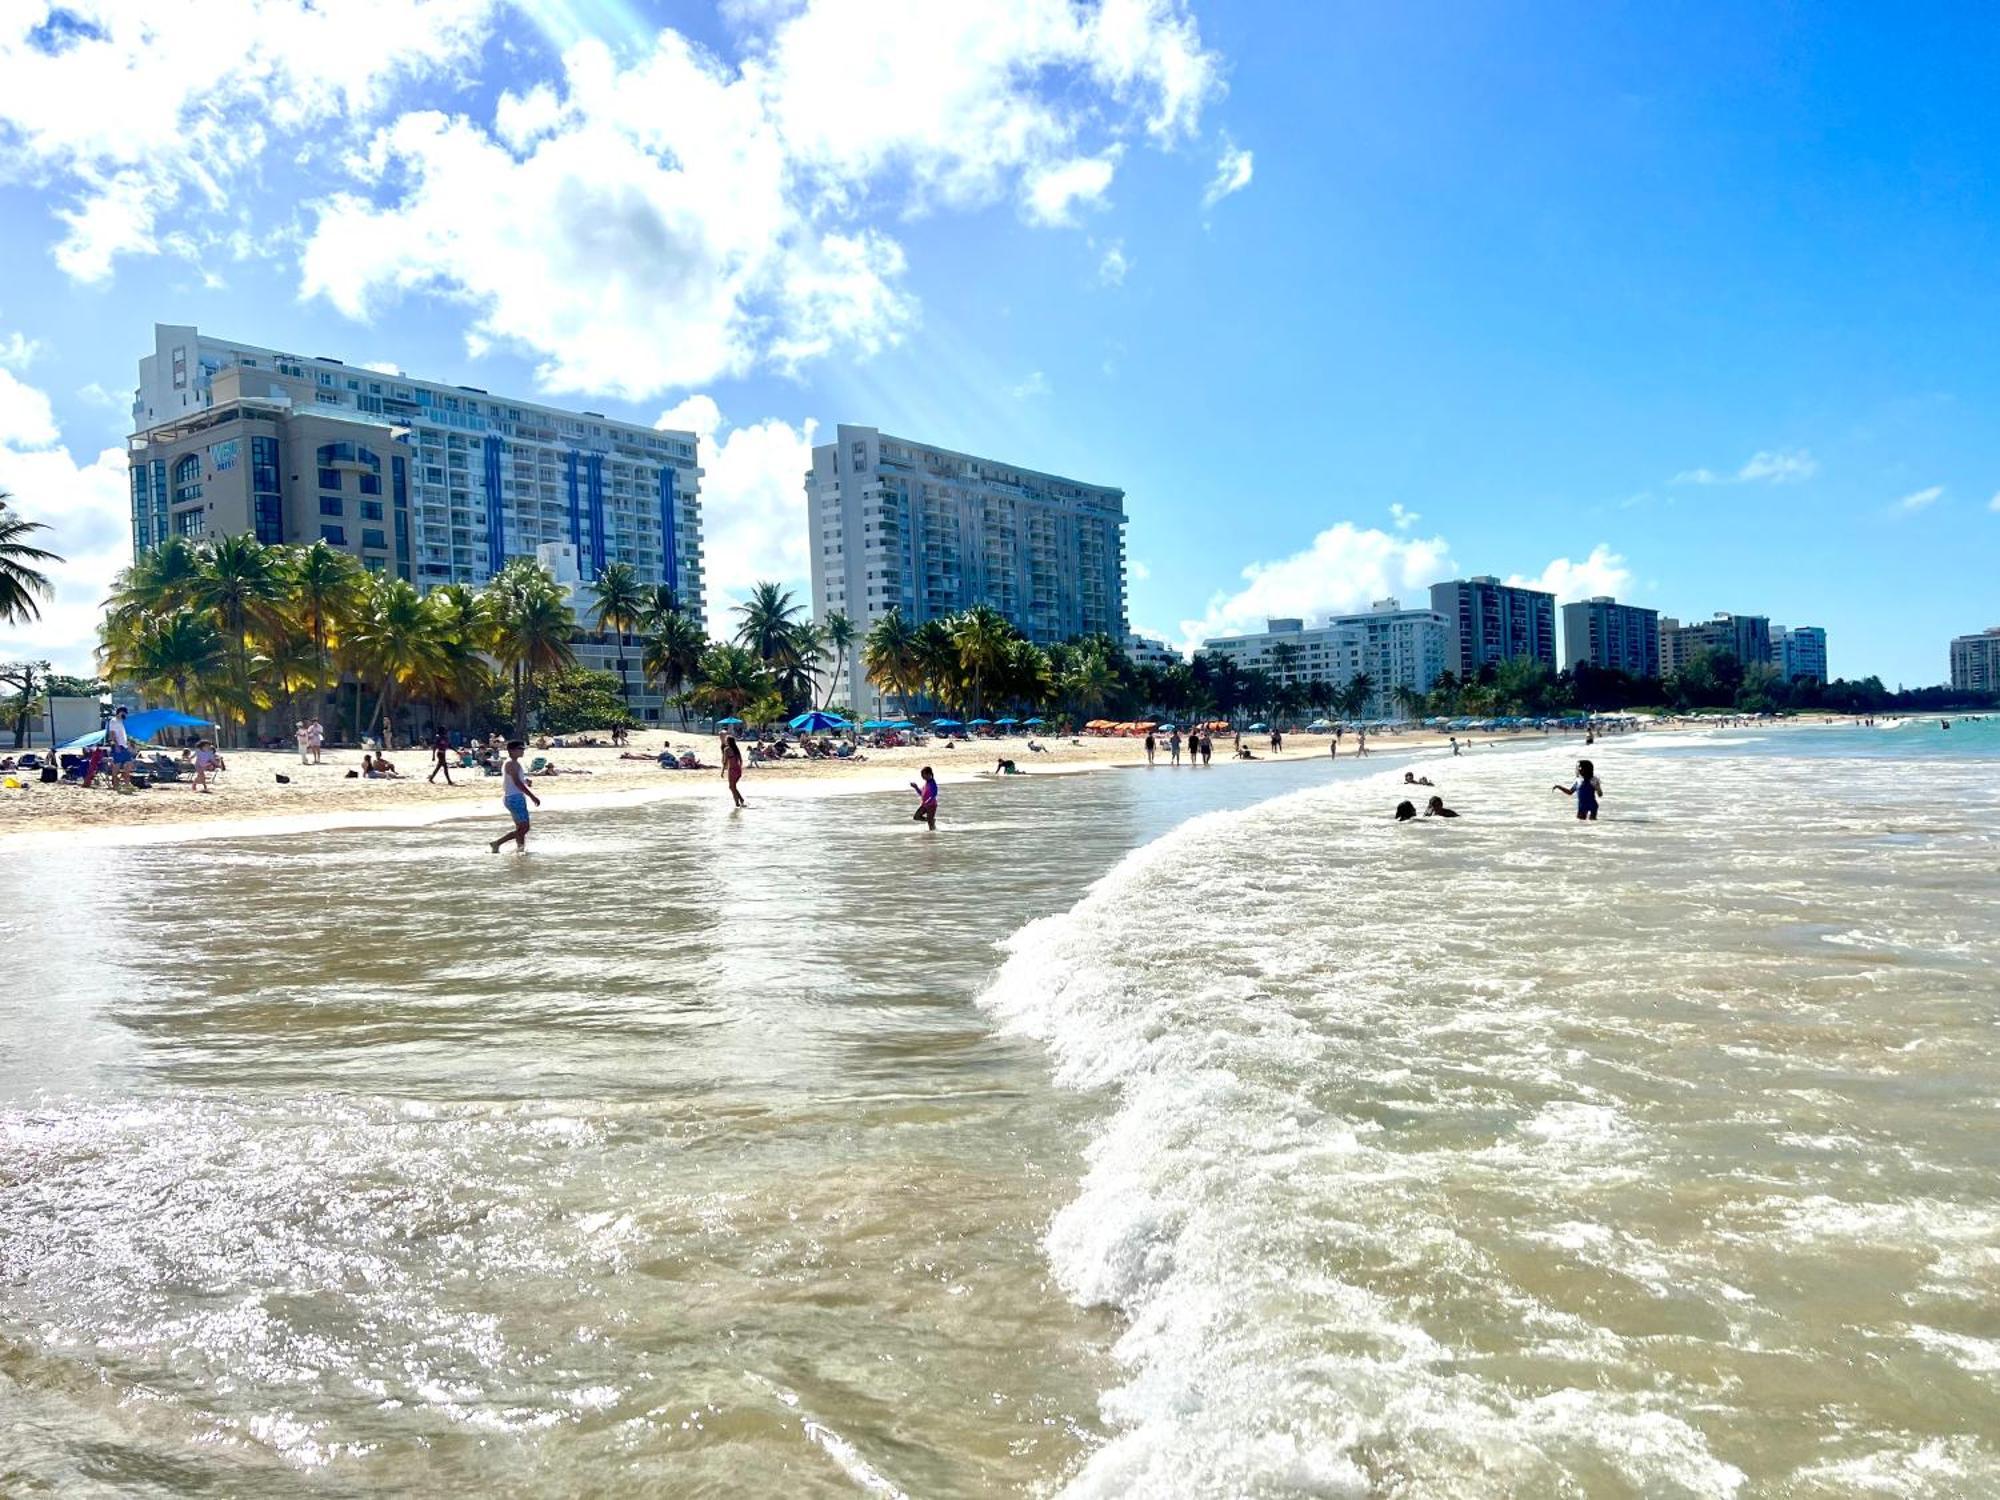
{"x": 1612, "y": 637}
{"x": 897, "y": 524}
{"x": 1492, "y": 622}
{"x": 1799, "y": 652}
{"x": 1395, "y": 648}
{"x": 1745, "y": 637}
{"x": 435, "y": 483}
{"x": 1975, "y": 662}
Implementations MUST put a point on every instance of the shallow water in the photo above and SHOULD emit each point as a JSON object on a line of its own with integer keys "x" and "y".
{"x": 700, "y": 1154}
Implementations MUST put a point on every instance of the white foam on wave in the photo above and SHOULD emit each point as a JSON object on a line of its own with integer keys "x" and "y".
{"x": 1383, "y": 1105}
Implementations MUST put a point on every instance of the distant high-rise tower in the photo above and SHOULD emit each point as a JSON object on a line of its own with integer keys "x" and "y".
{"x": 1611, "y": 636}
{"x": 1492, "y": 622}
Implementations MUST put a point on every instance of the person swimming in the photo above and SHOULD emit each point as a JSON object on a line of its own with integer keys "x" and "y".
{"x": 1411, "y": 778}
{"x": 1586, "y": 789}
{"x": 1405, "y": 811}
{"x": 1436, "y": 809}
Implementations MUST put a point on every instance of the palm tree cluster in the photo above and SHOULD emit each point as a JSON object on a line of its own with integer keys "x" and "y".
{"x": 977, "y": 661}
{"x": 23, "y": 584}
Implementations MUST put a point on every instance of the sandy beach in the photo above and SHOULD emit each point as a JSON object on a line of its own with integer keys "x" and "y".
{"x": 250, "y": 799}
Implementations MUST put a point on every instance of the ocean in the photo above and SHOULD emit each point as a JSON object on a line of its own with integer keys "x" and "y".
{"x": 1166, "y": 1132}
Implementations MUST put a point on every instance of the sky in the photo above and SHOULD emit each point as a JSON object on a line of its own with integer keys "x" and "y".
{"x": 1691, "y": 304}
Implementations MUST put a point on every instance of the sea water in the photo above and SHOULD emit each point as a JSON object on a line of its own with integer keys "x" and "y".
{"x": 1164, "y": 1133}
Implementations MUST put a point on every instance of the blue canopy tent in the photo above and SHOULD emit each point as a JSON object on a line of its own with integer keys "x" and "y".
{"x": 142, "y": 726}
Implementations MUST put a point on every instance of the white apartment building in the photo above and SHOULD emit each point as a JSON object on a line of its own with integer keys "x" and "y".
{"x": 897, "y": 524}
{"x": 1149, "y": 651}
{"x": 1393, "y": 646}
{"x": 1975, "y": 662}
{"x": 488, "y": 477}
{"x": 1799, "y": 652}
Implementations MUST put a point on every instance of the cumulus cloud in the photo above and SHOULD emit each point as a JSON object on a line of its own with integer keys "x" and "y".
{"x": 1602, "y": 572}
{"x": 87, "y": 508}
{"x": 17, "y": 351}
{"x": 1767, "y": 466}
{"x": 139, "y": 109}
{"x": 1345, "y": 570}
{"x": 753, "y": 504}
{"x": 1919, "y": 500}
{"x": 1404, "y": 517}
{"x": 658, "y": 221}
{"x": 1232, "y": 175}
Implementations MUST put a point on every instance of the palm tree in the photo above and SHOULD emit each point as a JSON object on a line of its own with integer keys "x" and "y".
{"x": 464, "y": 628}
{"x": 839, "y": 634}
{"x": 621, "y": 604}
{"x": 730, "y": 679}
{"x": 326, "y": 587}
{"x": 180, "y": 653}
{"x": 891, "y": 657}
{"x": 942, "y": 673}
{"x": 1088, "y": 682}
{"x": 671, "y": 655}
{"x": 796, "y": 676}
{"x": 239, "y": 583}
{"x": 768, "y": 618}
{"x": 1409, "y": 701}
{"x": 1030, "y": 677}
{"x": 982, "y": 637}
{"x": 22, "y": 581}
{"x": 395, "y": 639}
{"x": 531, "y": 628}
{"x": 1354, "y": 698}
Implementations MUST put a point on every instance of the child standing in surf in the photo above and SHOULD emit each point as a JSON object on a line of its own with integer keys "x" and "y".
{"x": 1586, "y": 789}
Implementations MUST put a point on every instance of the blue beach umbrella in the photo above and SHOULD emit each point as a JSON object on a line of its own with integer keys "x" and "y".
{"x": 874, "y": 723}
{"x": 142, "y": 726}
{"x": 946, "y": 724}
{"x": 978, "y": 723}
{"x": 1009, "y": 720}
{"x": 1036, "y": 720}
{"x": 1260, "y": 726}
{"x": 901, "y": 724}
{"x": 732, "y": 719}
{"x": 818, "y": 722}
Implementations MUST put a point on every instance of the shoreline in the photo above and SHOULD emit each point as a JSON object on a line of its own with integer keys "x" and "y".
{"x": 251, "y": 804}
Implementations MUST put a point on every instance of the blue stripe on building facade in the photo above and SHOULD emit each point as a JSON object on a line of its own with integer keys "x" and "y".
{"x": 593, "y": 475}
{"x": 575, "y": 511}
{"x": 496, "y": 526}
{"x": 670, "y": 550}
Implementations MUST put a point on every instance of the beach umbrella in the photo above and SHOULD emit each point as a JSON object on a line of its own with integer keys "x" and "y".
{"x": 874, "y": 723}
{"x": 1035, "y": 720}
{"x": 1166, "y": 729}
{"x": 732, "y": 719}
{"x": 946, "y": 724}
{"x": 818, "y": 722}
{"x": 902, "y": 724}
{"x": 977, "y": 723}
{"x": 1009, "y": 720}
{"x": 1260, "y": 726}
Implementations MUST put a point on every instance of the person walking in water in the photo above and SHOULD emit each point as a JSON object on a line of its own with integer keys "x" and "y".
{"x": 1586, "y": 789}
{"x": 1174, "y": 747}
{"x": 515, "y": 795}
{"x": 927, "y": 800}
{"x": 732, "y": 767}
{"x": 1151, "y": 745}
{"x": 441, "y": 757}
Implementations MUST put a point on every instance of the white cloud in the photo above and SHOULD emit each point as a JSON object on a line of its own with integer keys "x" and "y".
{"x": 660, "y": 220}
{"x": 1919, "y": 500}
{"x": 1345, "y": 570}
{"x": 87, "y": 508}
{"x": 1037, "y": 384}
{"x": 1767, "y": 466}
{"x": 1115, "y": 263}
{"x": 1050, "y": 194}
{"x": 382, "y": 366}
{"x": 1232, "y": 175}
{"x": 1404, "y": 517}
{"x": 138, "y": 108}
{"x": 753, "y": 504}
{"x": 17, "y": 351}
{"x": 1138, "y": 572}
{"x": 1994, "y": 504}
{"x": 1602, "y": 572}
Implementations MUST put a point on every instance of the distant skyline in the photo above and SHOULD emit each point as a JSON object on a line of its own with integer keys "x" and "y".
{"x": 1691, "y": 307}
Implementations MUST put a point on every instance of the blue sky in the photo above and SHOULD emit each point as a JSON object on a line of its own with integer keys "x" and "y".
{"x": 1692, "y": 304}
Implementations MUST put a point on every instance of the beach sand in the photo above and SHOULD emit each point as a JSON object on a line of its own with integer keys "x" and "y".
{"x": 249, "y": 798}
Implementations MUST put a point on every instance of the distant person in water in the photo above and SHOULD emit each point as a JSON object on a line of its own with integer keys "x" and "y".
{"x": 1405, "y": 811}
{"x": 927, "y": 800}
{"x": 732, "y": 766}
{"x": 1207, "y": 746}
{"x": 1437, "y": 809}
{"x": 515, "y": 795}
{"x": 1151, "y": 745}
{"x": 1411, "y": 778}
{"x": 1174, "y": 748}
{"x": 1586, "y": 789}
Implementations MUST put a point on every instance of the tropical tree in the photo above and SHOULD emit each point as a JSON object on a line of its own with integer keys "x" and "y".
{"x": 465, "y": 626}
{"x": 943, "y": 673}
{"x": 983, "y": 638}
{"x": 530, "y": 629}
{"x": 1354, "y": 697}
{"x": 840, "y": 634}
{"x": 180, "y": 653}
{"x": 621, "y": 605}
{"x": 239, "y": 583}
{"x": 1088, "y": 682}
{"x": 729, "y": 680}
{"x": 396, "y": 641}
{"x": 671, "y": 655}
{"x": 325, "y": 587}
{"x": 23, "y": 584}
{"x": 766, "y": 621}
{"x": 1409, "y": 702}
{"x": 891, "y": 656}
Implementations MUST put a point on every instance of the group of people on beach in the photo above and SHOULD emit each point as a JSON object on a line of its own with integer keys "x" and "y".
{"x": 1200, "y": 747}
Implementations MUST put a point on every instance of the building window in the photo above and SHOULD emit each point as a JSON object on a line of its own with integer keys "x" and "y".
{"x": 371, "y": 510}
{"x": 190, "y": 523}
{"x": 375, "y": 564}
{"x": 334, "y": 534}
{"x": 187, "y": 479}
{"x": 332, "y": 505}
{"x": 375, "y": 539}
{"x": 329, "y": 479}
{"x": 371, "y": 484}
